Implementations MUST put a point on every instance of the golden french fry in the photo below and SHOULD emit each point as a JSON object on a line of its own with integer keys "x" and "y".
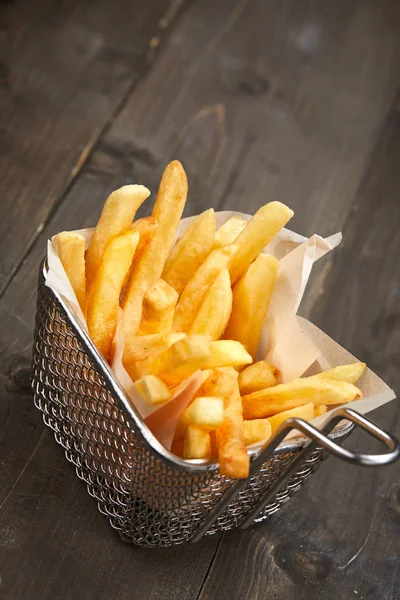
{"x": 190, "y": 250}
{"x": 146, "y": 227}
{"x": 229, "y": 231}
{"x": 102, "y": 311}
{"x": 256, "y": 430}
{"x": 70, "y": 247}
{"x": 116, "y": 217}
{"x": 158, "y": 308}
{"x": 215, "y": 310}
{"x": 228, "y": 353}
{"x": 197, "y": 287}
{"x": 258, "y": 376}
{"x": 350, "y": 373}
{"x": 197, "y": 443}
{"x": 206, "y": 412}
{"x": 142, "y": 346}
{"x": 232, "y": 453}
{"x": 167, "y": 211}
{"x": 251, "y": 298}
{"x": 153, "y": 390}
{"x": 286, "y": 396}
{"x": 305, "y": 412}
{"x": 320, "y": 410}
{"x": 259, "y": 231}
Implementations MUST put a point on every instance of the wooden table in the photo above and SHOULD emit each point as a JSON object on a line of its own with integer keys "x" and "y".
{"x": 260, "y": 100}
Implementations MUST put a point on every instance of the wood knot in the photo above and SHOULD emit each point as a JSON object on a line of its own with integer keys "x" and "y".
{"x": 253, "y": 84}
{"x": 301, "y": 561}
{"x": 19, "y": 374}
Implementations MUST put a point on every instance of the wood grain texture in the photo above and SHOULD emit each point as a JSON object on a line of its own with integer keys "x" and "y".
{"x": 66, "y": 68}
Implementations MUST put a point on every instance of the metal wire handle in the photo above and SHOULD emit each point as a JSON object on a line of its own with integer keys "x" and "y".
{"x": 317, "y": 438}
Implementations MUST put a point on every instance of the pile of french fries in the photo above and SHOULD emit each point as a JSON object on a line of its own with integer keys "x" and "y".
{"x": 197, "y": 304}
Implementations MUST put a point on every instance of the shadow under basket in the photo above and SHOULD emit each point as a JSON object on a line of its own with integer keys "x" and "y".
{"x": 152, "y": 497}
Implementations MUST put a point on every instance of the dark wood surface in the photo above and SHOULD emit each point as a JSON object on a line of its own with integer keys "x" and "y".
{"x": 286, "y": 100}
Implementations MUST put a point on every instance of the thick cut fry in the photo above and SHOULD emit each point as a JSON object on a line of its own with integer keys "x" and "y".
{"x": 70, "y": 248}
{"x": 259, "y": 231}
{"x": 251, "y": 298}
{"x": 305, "y": 412}
{"x": 205, "y": 412}
{"x": 153, "y": 390}
{"x": 229, "y": 231}
{"x": 256, "y": 430}
{"x": 258, "y": 376}
{"x": 297, "y": 393}
{"x": 197, "y": 443}
{"x": 102, "y": 313}
{"x": 197, "y": 287}
{"x": 320, "y": 410}
{"x": 146, "y": 227}
{"x": 350, "y": 373}
{"x": 190, "y": 250}
{"x": 142, "y": 346}
{"x": 158, "y": 308}
{"x": 216, "y": 308}
{"x": 176, "y": 363}
{"x": 232, "y": 454}
{"x": 116, "y": 217}
{"x": 167, "y": 211}
{"x": 228, "y": 353}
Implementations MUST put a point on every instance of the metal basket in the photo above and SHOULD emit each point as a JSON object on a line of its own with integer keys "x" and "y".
{"x": 152, "y": 497}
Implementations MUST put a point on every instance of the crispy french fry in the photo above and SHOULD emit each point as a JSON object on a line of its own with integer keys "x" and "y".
{"x": 215, "y": 310}
{"x": 229, "y": 231}
{"x": 232, "y": 454}
{"x": 142, "y": 346}
{"x": 251, "y": 298}
{"x": 158, "y": 308}
{"x": 153, "y": 390}
{"x": 176, "y": 363}
{"x": 146, "y": 227}
{"x": 190, "y": 250}
{"x": 228, "y": 353}
{"x": 197, "y": 287}
{"x": 167, "y": 211}
{"x": 256, "y": 430}
{"x": 197, "y": 443}
{"x": 320, "y": 410}
{"x": 116, "y": 217}
{"x": 70, "y": 248}
{"x": 286, "y": 396}
{"x": 258, "y": 376}
{"x": 102, "y": 312}
{"x": 305, "y": 412}
{"x": 350, "y": 373}
{"x": 259, "y": 231}
{"x": 206, "y": 412}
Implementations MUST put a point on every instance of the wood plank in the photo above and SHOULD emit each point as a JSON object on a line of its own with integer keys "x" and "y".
{"x": 67, "y": 66}
{"x": 339, "y": 536}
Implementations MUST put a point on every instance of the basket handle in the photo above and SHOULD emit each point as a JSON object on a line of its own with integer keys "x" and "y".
{"x": 317, "y": 438}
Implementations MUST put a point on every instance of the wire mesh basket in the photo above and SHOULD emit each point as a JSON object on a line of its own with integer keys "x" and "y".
{"x": 152, "y": 497}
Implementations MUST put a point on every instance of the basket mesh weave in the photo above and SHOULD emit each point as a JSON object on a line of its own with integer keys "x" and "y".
{"x": 150, "y": 500}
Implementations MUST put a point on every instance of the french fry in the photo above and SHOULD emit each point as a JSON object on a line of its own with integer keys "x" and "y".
{"x": 320, "y": 410}
{"x": 70, "y": 248}
{"x": 158, "y": 308}
{"x": 256, "y": 430}
{"x": 215, "y": 310}
{"x": 167, "y": 211}
{"x": 350, "y": 373}
{"x": 206, "y": 412}
{"x": 229, "y": 231}
{"x": 285, "y": 396}
{"x": 102, "y": 311}
{"x": 197, "y": 443}
{"x": 142, "y": 346}
{"x": 258, "y": 376}
{"x": 305, "y": 412}
{"x": 251, "y": 298}
{"x": 259, "y": 231}
{"x": 116, "y": 217}
{"x": 228, "y": 353}
{"x": 232, "y": 454}
{"x": 198, "y": 285}
{"x": 153, "y": 390}
{"x": 190, "y": 251}
{"x": 146, "y": 227}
